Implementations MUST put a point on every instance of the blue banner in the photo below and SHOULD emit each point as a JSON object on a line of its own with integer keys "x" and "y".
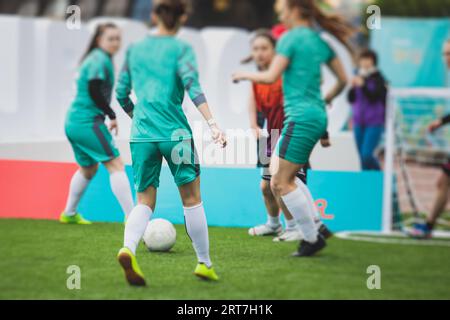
{"x": 232, "y": 198}
{"x": 410, "y": 51}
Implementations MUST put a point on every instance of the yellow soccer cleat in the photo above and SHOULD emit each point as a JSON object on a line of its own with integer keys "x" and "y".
{"x": 75, "y": 219}
{"x": 205, "y": 273}
{"x": 129, "y": 264}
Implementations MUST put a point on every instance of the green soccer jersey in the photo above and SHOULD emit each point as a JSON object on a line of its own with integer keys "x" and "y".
{"x": 97, "y": 65}
{"x": 306, "y": 52}
{"x": 159, "y": 69}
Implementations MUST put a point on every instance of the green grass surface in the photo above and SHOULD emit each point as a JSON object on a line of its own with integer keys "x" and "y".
{"x": 36, "y": 254}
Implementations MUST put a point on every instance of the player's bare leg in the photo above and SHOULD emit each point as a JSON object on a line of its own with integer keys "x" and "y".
{"x": 273, "y": 224}
{"x": 441, "y": 199}
{"x": 293, "y": 199}
{"x": 424, "y": 231}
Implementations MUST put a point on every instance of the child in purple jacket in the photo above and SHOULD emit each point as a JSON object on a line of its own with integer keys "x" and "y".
{"x": 368, "y": 98}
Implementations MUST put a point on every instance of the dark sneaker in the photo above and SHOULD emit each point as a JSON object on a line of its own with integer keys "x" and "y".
{"x": 420, "y": 231}
{"x": 325, "y": 232}
{"x": 308, "y": 249}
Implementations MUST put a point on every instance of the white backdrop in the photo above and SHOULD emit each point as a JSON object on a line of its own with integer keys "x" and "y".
{"x": 38, "y": 67}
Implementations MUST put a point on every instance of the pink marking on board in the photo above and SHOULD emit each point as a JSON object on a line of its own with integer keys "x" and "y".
{"x": 322, "y": 205}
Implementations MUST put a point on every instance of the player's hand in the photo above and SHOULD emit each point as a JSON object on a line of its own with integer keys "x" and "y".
{"x": 114, "y": 127}
{"x": 257, "y": 131}
{"x": 358, "y": 81}
{"x": 239, "y": 76}
{"x": 218, "y": 136}
{"x": 434, "y": 125}
{"x": 326, "y": 143}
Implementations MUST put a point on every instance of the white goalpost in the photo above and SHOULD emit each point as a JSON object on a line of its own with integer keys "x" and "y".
{"x": 409, "y": 112}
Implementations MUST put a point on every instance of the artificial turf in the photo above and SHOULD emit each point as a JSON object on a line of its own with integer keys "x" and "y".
{"x": 36, "y": 254}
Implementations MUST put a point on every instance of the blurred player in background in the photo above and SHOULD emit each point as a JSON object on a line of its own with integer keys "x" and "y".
{"x": 160, "y": 68}
{"x": 424, "y": 231}
{"x": 91, "y": 140}
{"x": 300, "y": 55}
{"x": 267, "y": 99}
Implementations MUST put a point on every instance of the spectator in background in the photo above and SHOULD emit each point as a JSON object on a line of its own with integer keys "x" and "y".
{"x": 424, "y": 231}
{"x": 28, "y": 8}
{"x": 89, "y": 8}
{"x": 279, "y": 29}
{"x": 54, "y": 8}
{"x": 114, "y": 8}
{"x": 9, "y": 7}
{"x": 106, "y": 8}
{"x": 140, "y": 9}
{"x": 44, "y": 6}
{"x": 36, "y": 8}
{"x": 368, "y": 98}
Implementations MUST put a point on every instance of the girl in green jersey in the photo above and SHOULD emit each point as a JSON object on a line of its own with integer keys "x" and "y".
{"x": 160, "y": 68}
{"x": 300, "y": 54}
{"x": 90, "y": 138}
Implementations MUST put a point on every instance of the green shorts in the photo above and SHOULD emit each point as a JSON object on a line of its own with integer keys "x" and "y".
{"x": 181, "y": 157}
{"x": 299, "y": 137}
{"x": 92, "y": 143}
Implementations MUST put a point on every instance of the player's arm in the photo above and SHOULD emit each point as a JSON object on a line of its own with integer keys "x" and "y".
{"x": 216, "y": 133}
{"x": 271, "y": 75}
{"x": 439, "y": 123}
{"x": 376, "y": 90}
{"x": 445, "y": 120}
{"x": 96, "y": 92}
{"x": 188, "y": 73}
{"x": 351, "y": 97}
{"x": 97, "y": 81}
{"x": 124, "y": 87}
{"x": 325, "y": 140}
{"x": 253, "y": 114}
{"x": 338, "y": 70}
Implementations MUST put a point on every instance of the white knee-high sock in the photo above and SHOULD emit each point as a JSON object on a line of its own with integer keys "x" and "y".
{"x": 273, "y": 222}
{"x": 78, "y": 185}
{"x": 197, "y": 230}
{"x": 120, "y": 186}
{"x": 135, "y": 227}
{"x": 301, "y": 210}
{"x": 291, "y": 224}
{"x": 310, "y": 198}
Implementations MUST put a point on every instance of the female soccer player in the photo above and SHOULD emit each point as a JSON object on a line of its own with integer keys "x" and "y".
{"x": 268, "y": 99}
{"x": 159, "y": 69}
{"x": 91, "y": 141}
{"x": 301, "y": 52}
{"x": 425, "y": 230}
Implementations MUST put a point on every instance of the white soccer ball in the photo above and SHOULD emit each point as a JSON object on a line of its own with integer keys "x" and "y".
{"x": 160, "y": 235}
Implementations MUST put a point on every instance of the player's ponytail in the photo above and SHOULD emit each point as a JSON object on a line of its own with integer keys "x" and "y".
{"x": 170, "y": 12}
{"x": 334, "y": 24}
{"x": 99, "y": 31}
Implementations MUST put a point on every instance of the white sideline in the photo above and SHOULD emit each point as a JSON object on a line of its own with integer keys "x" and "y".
{"x": 369, "y": 236}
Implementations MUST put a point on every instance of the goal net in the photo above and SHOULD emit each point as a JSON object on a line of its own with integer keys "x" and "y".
{"x": 414, "y": 156}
